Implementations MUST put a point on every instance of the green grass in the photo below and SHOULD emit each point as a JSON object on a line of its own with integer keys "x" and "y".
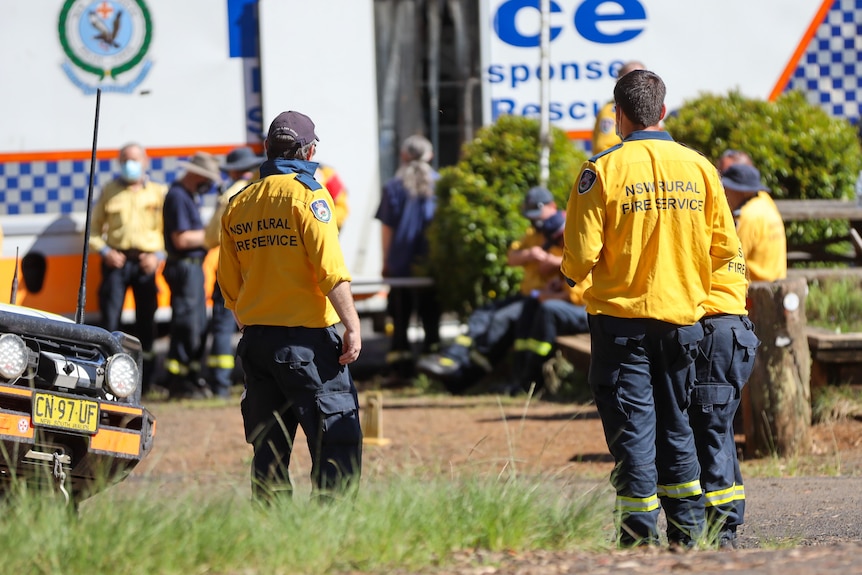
{"x": 408, "y": 523}
{"x": 835, "y": 304}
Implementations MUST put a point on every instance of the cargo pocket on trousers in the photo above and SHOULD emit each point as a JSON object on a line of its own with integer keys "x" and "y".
{"x": 340, "y": 415}
{"x": 297, "y": 365}
{"x": 745, "y": 344}
{"x": 706, "y": 395}
{"x": 688, "y": 339}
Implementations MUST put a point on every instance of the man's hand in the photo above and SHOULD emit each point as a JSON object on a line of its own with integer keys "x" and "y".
{"x": 537, "y": 254}
{"x": 351, "y": 347}
{"x": 115, "y": 259}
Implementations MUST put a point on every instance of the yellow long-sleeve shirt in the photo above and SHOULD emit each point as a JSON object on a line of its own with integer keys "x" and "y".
{"x": 729, "y": 288}
{"x": 280, "y": 254}
{"x": 650, "y": 221}
{"x": 126, "y": 218}
{"x": 534, "y": 277}
{"x": 605, "y": 130}
{"x": 764, "y": 242}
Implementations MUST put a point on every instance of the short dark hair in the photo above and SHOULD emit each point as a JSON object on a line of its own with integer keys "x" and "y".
{"x": 640, "y": 95}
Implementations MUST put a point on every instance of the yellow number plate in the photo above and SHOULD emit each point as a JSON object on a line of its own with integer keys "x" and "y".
{"x": 65, "y": 412}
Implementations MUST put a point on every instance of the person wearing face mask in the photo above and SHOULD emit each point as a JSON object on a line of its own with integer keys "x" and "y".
{"x": 555, "y": 309}
{"x": 126, "y": 231}
{"x": 185, "y": 243}
{"x": 491, "y": 329}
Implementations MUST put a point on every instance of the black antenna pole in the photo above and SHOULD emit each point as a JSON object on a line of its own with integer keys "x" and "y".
{"x": 14, "y": 296}
{"x": 82, "y": 289}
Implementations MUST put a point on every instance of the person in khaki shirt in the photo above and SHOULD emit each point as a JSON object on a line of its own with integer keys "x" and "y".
{"x": 127, "y": 232}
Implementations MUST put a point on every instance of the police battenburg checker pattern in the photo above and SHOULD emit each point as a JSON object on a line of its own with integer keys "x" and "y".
{"x": 829, "y": 73}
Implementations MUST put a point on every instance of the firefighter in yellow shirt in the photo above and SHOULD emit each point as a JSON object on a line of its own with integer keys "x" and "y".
{"x": 282, "y": 273}
{"x": 126, "y": 230}
{"x": 649, "y": 221}
{"x": 241, "y": 166}
{"x": 723, "y": 366}
{"x": 758, "y": 223}
{"x": 491, "y": 330}
{"x": 330, "y": 179}
{"x": 605, "y": 131}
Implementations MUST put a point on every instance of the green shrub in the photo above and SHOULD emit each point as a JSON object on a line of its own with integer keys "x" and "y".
{"x": 799, "y": 149}
{"x": 479, "y": 209}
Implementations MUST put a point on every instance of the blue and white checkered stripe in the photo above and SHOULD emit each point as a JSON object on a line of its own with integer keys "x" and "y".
{"x": 61, "y": 187}
{"x": 830, "y": 71}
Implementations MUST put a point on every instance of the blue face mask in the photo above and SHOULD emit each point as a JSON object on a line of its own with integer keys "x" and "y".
{"x": 131, "y": 170}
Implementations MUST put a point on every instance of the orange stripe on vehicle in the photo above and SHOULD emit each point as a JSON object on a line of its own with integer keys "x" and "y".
{"x": 579, "y": 134}
{"x": 15, "y": 425}
{"x": 116, "y": 442}
{"x": 8, "y": 389}
{"x": 122, "y": 409}
{"x": 106, "y": 154}
{"x": 58, "y": 295}
{"x": 800, "y": 49}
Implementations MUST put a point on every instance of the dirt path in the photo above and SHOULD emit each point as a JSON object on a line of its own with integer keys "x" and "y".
{"x": 808, "y": 523}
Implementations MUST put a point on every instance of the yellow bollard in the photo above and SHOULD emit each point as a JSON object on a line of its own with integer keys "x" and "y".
{"x": 372, "y": 424}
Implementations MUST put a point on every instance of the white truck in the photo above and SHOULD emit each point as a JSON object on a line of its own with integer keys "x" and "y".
{"x": 176, "y": 77}
{"x": 179, "y": 77}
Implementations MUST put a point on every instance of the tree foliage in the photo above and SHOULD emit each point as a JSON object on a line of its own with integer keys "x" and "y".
{"x": 479, "y": 209}
{"x": 801, "y": 151}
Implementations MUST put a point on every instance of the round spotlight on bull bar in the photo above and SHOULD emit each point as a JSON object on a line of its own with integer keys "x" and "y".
{"x": 14, "y": 356}
{"x": 122, "y": 376}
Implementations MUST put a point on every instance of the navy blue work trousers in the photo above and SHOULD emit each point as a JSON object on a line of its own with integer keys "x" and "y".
{"x": 641, "y": 374}
{"x": 112, "y": 295}
{"x": 221, "y": 355}
{"x": 537, "y": 335}
{"x": 293, "y": 379}
{"x": 401, "y": 304}
{"x": 185, "y": 278}
{"x": 724, "y": 364}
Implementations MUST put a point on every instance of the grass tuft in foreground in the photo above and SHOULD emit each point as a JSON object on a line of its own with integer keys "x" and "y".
{"x": 405, "y": 523}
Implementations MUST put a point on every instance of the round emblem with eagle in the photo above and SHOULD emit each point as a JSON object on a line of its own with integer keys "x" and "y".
{"x": 105, "y": 37}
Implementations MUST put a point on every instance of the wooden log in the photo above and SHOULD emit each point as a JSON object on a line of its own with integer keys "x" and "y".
{"x": 777, "y": 412}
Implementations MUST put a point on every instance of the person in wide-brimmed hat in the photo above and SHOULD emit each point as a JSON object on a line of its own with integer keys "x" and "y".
{"x": 758, "y": 223}
{"x": 241, "y": 165}
{"x": 186, "y": 249}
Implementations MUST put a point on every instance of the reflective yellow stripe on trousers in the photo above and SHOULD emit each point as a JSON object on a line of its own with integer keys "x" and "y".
{"x": 680, "y": 490}
{"x": 722, "y": 496}
{"x": 637, "y": 504}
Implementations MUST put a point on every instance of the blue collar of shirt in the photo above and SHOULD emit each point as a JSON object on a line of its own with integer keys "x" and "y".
{"x": 648, "y": 135}
{"x": 282, "y": 166}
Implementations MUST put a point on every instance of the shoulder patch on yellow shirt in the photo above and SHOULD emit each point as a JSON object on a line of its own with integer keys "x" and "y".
{"x": 588, "y": 178}
{"x": 321, "y": 210}
{"x": 607, "y": 125}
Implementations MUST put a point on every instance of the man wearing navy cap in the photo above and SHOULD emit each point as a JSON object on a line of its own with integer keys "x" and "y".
{"x": 494, "y": 329}
{"x": 758, "y": 223}
{"x": 282, "y": 273}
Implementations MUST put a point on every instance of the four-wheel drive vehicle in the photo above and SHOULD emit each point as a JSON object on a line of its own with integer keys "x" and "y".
{"x": 70, "y": 403}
